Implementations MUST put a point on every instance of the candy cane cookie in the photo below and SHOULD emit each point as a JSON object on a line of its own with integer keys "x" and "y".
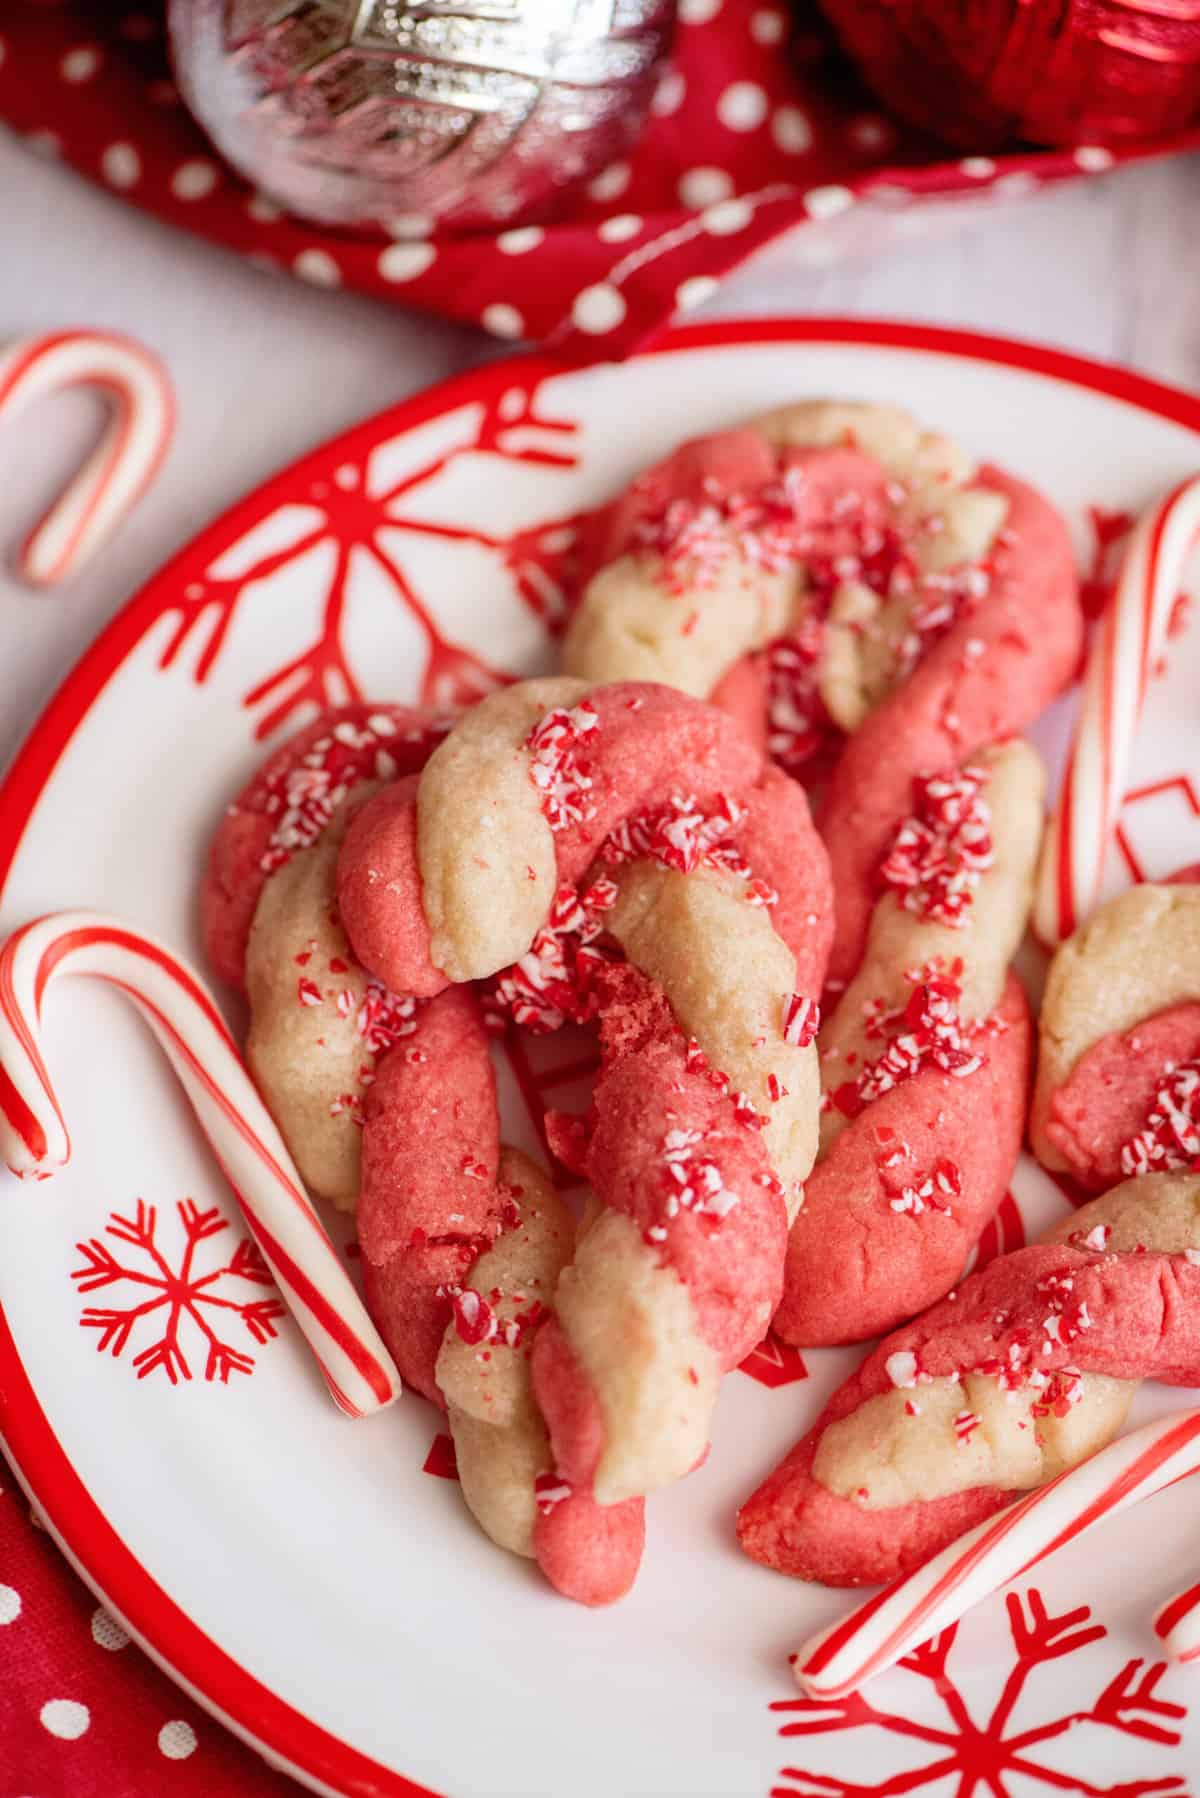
{"x": 906, "y": 609}
{"x": 1118, "y": 1086}
{"x": 554, "y": 816}
{"x": 389, "y": 1105}
{"x": 1026, "y": 1370}
{"x": 925, "y": 1063}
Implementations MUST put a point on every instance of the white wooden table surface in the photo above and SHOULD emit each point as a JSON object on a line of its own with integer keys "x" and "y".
{"x": 266, "y": 367}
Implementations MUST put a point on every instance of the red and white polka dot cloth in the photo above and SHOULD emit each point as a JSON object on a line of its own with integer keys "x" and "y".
{"x": 83, "y": 1713}
{"x": 757, "y": 127}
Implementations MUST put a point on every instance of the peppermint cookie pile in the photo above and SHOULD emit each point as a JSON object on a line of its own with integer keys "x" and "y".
{"x": 826, "y": 612}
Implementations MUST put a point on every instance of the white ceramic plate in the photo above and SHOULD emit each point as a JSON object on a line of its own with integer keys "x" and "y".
{"x": 311, "y": 1579}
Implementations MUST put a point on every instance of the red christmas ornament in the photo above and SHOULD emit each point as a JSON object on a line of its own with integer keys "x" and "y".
{"x": 979, "y": 73}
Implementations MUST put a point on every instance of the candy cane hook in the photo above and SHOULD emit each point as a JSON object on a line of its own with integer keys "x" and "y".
{"x": 34, "y": 1140}
{"x": 911, "y": 1610}
{"x": 125, "y": 461}
{"x": 1177, "y": 1625}
{"x": 1125, "y": 649}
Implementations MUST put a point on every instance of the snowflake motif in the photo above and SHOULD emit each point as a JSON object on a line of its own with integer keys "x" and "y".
{"x": 355, "y": 527}
{"x": 181, "y": 1303}
{"x": 991, "y": 1758}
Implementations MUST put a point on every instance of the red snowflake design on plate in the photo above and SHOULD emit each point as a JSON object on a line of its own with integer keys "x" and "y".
{"x": 359, "y": 523}
{"x": 1157, "y": 829}
{"x": 774, "y": 1363}
{"x": 180, "y": 1303}
{"x": 991, "y": 1756}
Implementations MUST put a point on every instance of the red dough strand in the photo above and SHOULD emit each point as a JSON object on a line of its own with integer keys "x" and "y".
{"x": 893, "y": 1208}
{"x": 1026, "y": 637}
{"x": 287, "y": 803}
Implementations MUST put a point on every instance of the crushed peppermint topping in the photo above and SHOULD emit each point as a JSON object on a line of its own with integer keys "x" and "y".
{"x": 305, "y": 796}
{"x": 926, "y": 1032}
{"x": 692, "y": 1182}
{"x": 680, "y": 835}
{"x": 801, "y": 1020}
{"x": 940, "y": 851}
{"x": 798, "y": 724}
{"x": 901, "y": 1368}
{"x": 552, "y": 983}
{"x": 920, "y": 1196}
{"x": 474, "y": 1319}
{"x": 550, "y": 1489}
{"x": 558, "y": 766}
{"x": 1170, "y": 1137}
{"x": 1062, "y": 1390}
{"x": 965, "y": 1426}
{"x": 694, "y": 538}
{"x": 385, "y": 1017}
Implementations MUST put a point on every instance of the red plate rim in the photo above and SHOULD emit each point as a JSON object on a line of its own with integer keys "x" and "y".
{"x": 106, "y": 1563}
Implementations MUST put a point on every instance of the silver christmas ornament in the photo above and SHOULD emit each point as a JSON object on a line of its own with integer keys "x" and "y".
{"x": 392, "y": 115}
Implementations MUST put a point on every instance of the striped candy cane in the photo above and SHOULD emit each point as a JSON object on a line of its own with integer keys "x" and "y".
{"x": 1126, "y": 647}
{"x": 1177, "y": 1625}
{"x": 911, "y": 1610}
{"x": 34, "y": 1140}
{"x": 124, "y": 463}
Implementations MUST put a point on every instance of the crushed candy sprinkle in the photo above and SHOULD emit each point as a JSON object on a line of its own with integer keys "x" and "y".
{"x": 801, "y": 1020}
{"x": 926, "y": 1032}
{"x": 551, "y": 985}
{"x": 1170, "y": 1138}
{"x": 558, "y": 765}
{"x": 939, "y": 853}
{"x": 304, "y": 798}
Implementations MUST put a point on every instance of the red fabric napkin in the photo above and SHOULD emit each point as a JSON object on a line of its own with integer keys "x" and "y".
{"x": 759, "y": 126}
{"x": 83, "y": 1713}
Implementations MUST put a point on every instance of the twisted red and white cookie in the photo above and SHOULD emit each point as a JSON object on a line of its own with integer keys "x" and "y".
{"x": 389, "y": 1107}
{"x": 1118, "y": 1088}
{"x": 1024, "y": 1371}
{"x": 925, "y": 1063}
{"x": 624, "y": 852}
{"x": 846, "y": 583}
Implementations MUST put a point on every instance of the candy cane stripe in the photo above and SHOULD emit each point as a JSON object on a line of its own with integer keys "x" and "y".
{"x": 125, "y": 461}
{"x": 243, "y": 1136}
{"x": 1128, "y": 642}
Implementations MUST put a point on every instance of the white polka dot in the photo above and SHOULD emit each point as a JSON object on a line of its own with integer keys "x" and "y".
{"x": 107, "y": 1632}
{"x": 63, "y": 1718}
{"x": 121, "y": 165}
{"x": 668, "y": 95}
{"x": 598, "y": 309}
{"x": 703, "y": 187}
{"x": 318, "y": 267}
{"x": 692, "y": 293}
{"x": 10, "y": 1604}
{"x": 503, "y": 321}
{"x": 1016, "y": 185}
{"x": 767, "y": 27}
{"x": 263, "y": 209}
{"x": 826, "y": 202}
{"x": 516, "y": 243}
{"x": 742, "y": 107}
{"x": 405, "y": 261}
{"x": 81, "y": 64}
{"x": 192, "y": 180}
{"x": 610, "y": 181}
{"x": 409, "y": 225}
{"x": 619, "y": 227}
{"x": 727, "y": 217}
{"x": 177, "y": 1740}
{"x": 979, "y": 168}
{"x": 791, "y": 130}
{"x": 1093, "y": 157}
{"x": 698, "y": 12}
